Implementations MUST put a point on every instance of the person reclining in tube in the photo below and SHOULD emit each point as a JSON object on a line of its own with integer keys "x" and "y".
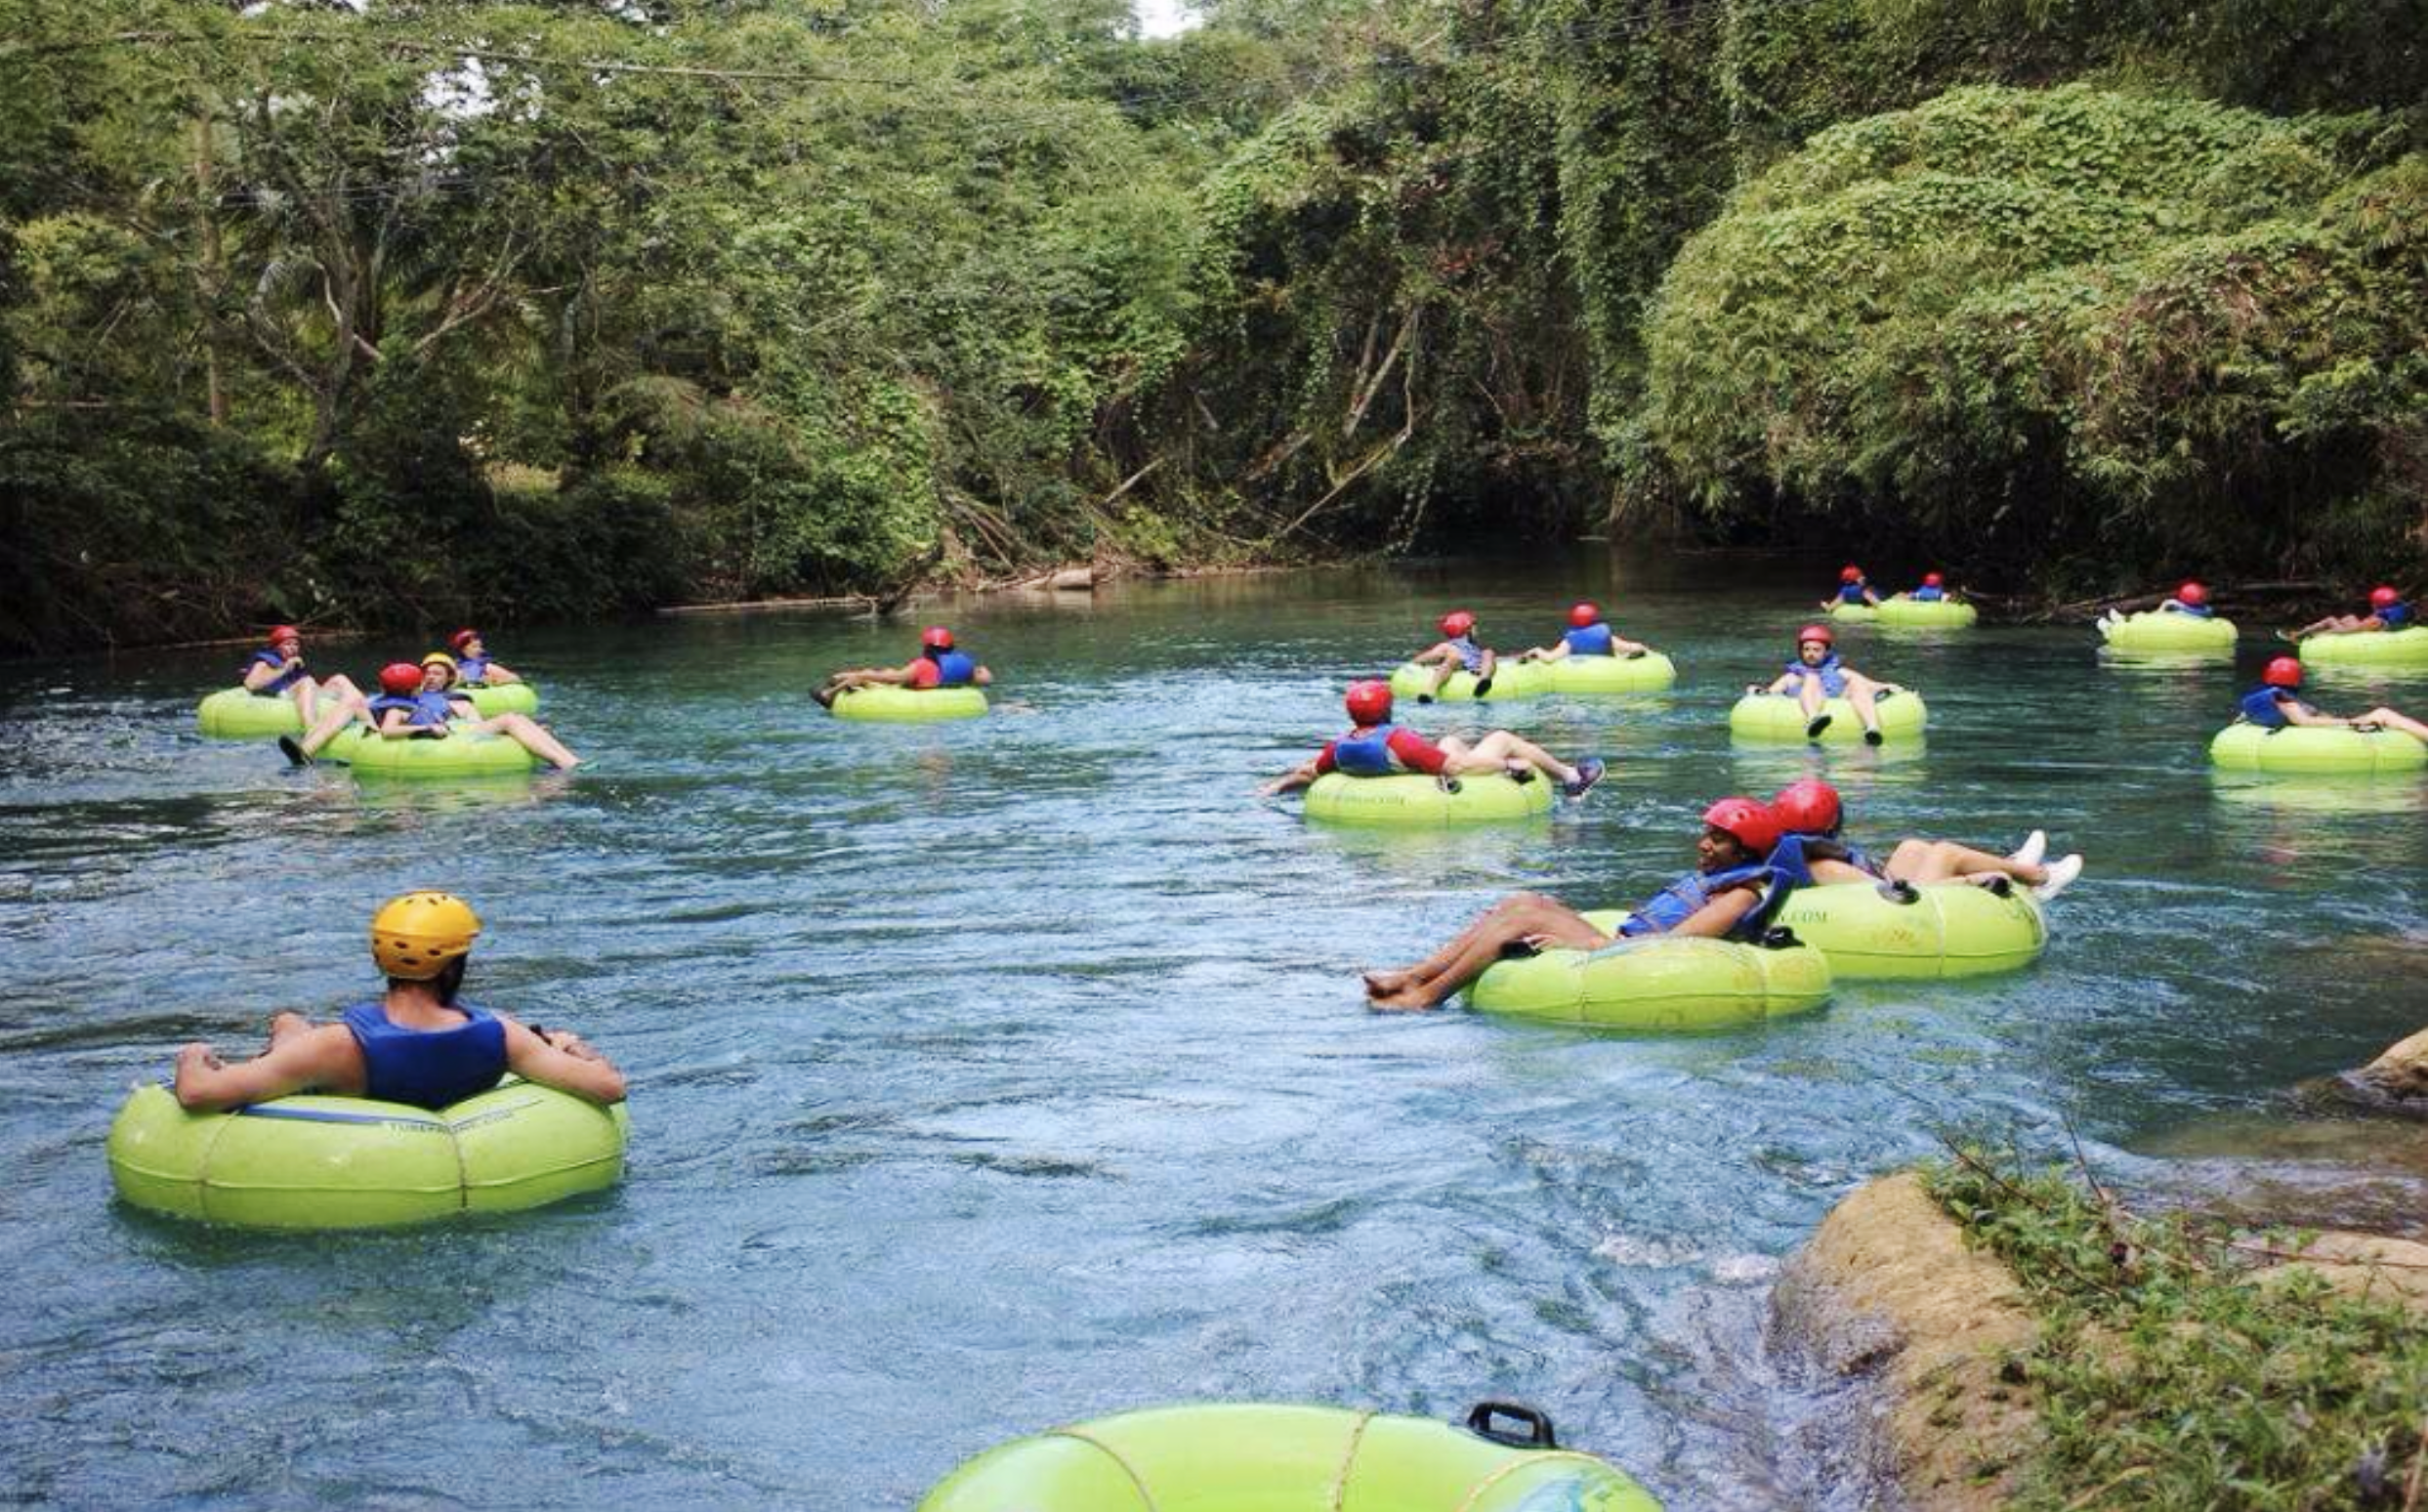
{"x": 1853, "y": 588}
{"x": 1817, "y": 675}
{"x": 1377, "y": 747}
{"x": 1455, "y": 653}
{"x": 417, "y": 703}
{"x": 2271, "y": 705}
{"x": 2189, "y": 598}
{"x": 1934, "y": 590}
{"x": 279, "y": 670}
{"x": 2387, "y": 612}
{"x": 1810, "y": 816}
{"x": 473, "y": 666}
{"x": 1731, "y": 895}
{"x": 418, "y": 1043}
{"x": 938, "y": 664}
{"x": 1585, "y": 635}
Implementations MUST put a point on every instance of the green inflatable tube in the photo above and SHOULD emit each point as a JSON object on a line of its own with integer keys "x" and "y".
{"x": 2368, "y": 649}
{"x": 1853, "y": 613}
{"x": 1656, "y": 982}
{"x": 502, "y": 697}
{"x": 1511, "y": 678}
{"x": 909, "y": 705}
{"x": 350, "y": 1162}
{"x": 1927, "y": 614}
{"x": 1414, "y": 800}
{"x": 2174, "y": 634}
{"x": 2314, "y": 750}
{"x": 460, "y": 754}
{"x": 1951, "y": 929}
{"x": 1252, "y": 1457}
{"x": 234, "y": 714}
{"x": 1777, "y": 718}
{"x": 1591, "y": 675}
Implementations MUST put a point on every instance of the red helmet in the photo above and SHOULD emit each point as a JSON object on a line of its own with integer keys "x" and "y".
{"x": 1850, "y": 573}
{"x": 936, "y": 638}
{"x": 279, "y": 633}
{"x": 1819, "y": 633}
{"x": 1582, "y": 614}
{"x": 1808, "y": 807}
{"x": 2382, "y": 597}
{"x": 1369, "y": 702}
{"x": 1933, "y": 580}
{"x": 400, "y": 678}
{"x": 462, "y": 637}
{"x": 2283, "y": 672}
{"x": 1457, "y": 622}
{"x": 2191, "y": 593}
{"x": 1749, "y": 824}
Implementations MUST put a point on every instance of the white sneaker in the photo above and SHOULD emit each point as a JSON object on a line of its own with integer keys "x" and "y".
{"x": 2035, "y": 845}
{"x": 2062, "y": 873}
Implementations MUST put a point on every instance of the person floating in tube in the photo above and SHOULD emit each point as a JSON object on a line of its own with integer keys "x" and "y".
{"x": 2387, "y": 612}
{"x": 278, "y": 670}
{"x": 1585, "y": 635}
{"x": 938, "y": 664}
{"x": 417, "y": 702}
{"x": 1810, "y": 816}
{"x": 1853, "y": 589}
{"x": 473, "y": 666}
{"x": 1817, "y": 676}
{"x": 418, "y": 1042}
{"x": 1455, "y": 653}
{"x": 1377, "y": 747}
{"x": 1934, "y": 590}
{"x": 1730, "y": 894}
{"x": 2271, "y": 705}
{"x": 2191, "y": 599}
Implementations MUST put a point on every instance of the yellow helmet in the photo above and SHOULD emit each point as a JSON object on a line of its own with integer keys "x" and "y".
{"x": 415, "y": 936}
{"x": 440, "y": 657}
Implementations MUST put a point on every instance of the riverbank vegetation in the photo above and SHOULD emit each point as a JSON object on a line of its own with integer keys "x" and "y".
{"x": 2178, "y": 1366}
{"x": 425, "y": 310}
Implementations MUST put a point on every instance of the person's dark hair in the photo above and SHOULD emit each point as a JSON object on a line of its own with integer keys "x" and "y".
{"x": 446, "y": 984}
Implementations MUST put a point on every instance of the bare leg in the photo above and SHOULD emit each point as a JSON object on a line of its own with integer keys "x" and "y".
{"x": 1944, "y": 861}
{"x": 1525, "y": 916}
{"x": 1861, "y": 692}
{"x": 1500, "y": 748}
{"x": 1809, "y": 696}
{"x": 339, "y": 686}
{"x": 2394, "y": 721}
{"x": 1485, "y": 922}
{"x": 306, "y": 696}
{"x": 346, "y": 712}
{"x": 533, "y": 737}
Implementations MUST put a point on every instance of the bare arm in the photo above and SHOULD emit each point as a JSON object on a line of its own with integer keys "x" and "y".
{"x": 982, "y": 678}
{"x": 499, "y": 674}
{"x": 1623, "y": 646}
{"x": 261, "y": 673}
{"x": 1778, "y": 683}
{"x": 1719, "y": 915}
{"x": 397, "y": 725}
{"x": 1552, "y": 653}
{"x": 1290, "y": 782}
{"x": 563, "y": 1060}
{"x": 2303, "y": 714}
{"x": 323, "y": 1057}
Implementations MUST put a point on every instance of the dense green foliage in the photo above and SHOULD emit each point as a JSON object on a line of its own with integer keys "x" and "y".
{"x": 2167, "y": 1377}
{"x": 433, "y": 308}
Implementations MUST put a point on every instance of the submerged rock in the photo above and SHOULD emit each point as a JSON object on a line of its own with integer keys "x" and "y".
{"x": 2402, "y": 1073}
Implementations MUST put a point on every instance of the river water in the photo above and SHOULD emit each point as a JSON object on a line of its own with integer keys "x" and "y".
{"x": 1001, "y": 1074}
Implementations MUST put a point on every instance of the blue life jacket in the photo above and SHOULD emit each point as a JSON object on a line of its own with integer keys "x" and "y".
{"x": 427, "y": 1067}
{"x": 1929, "y": 594}
{"x": 1365, "y": 753}
{"x": 472, "y": 669}
{"x": 284, "y": 681}
{"x": 1830, "y": 672}
{"x": 1683, "y": 898}
{"x": 2179, "y": 606}
{"x": 1592, "y": 640}
{"x": 1470, "y": 655}
{"x": 952, "y": 667}
{"x": 2394, "y": 617}
{"x": 1852, "y": 593}
{"x": 427, "y": 710}
{"x": 2261, "y": 707}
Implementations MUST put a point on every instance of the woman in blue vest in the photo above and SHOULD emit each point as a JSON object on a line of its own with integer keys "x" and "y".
{"x": 1853, "y": 588}
{"x": 1585, "y": 635}
{"x": 1817, "y": 676}
{"x": 1455, "y": 653}
{"x": 435, "y": 712}
{"x": 1810, "y": 816}
{"x": 279, "y": 670}
{"x": 938, "y": 664}
{"x": 1934, "y": 589}
{"x": 416, "y": 1043}
{"x": 2387, "y": 612}
{"x": 1377, "y": 747}
{"x": 2271, "y": 705}
{"x": 1730, "y": 895}
{"x": 473, "y": 666}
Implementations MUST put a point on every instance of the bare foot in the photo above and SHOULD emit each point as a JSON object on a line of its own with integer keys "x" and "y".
{"x": 1405, "y": 1000}
{"x": 1380, "y": 984}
